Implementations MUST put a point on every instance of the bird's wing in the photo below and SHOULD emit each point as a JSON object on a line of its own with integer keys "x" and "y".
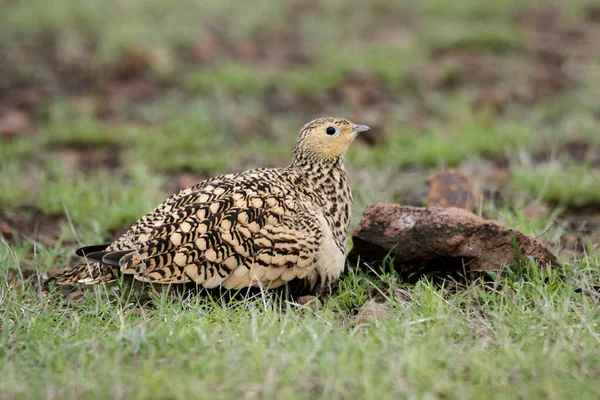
{"x": 94, "y": 271}
{"x": 157, "y": 216}
{"x": 232, "y": 232}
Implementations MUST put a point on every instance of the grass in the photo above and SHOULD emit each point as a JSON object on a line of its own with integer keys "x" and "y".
{"x": 67, "y": 127}
{"x": 447, "y": 145}
{"x": 531, "y": 333}
{"x": 575, "y": 185}
{"x": 533, "y": 336}
{"x": 197, "y": 142}
{"x": 496, "y": 37}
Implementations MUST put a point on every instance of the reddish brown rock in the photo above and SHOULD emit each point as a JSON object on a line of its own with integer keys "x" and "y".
{"x": 452, "y": 188}
{"x": 450, "y": 238}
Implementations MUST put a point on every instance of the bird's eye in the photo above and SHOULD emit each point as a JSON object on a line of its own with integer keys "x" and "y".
{"x": 332, "y": 130}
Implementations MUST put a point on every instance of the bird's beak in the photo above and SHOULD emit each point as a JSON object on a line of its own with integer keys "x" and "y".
{"x": 360, "y": 128}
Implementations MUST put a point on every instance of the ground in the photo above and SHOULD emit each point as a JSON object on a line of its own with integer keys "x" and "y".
{"x": 107, "y": 108}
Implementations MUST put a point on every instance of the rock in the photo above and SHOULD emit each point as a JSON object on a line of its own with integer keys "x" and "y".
{"x": 452, "y": 188}
{"x": 449, "y": 240}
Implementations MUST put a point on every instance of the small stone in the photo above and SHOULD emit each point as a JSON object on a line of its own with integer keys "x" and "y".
{"x": 452, "y": 188}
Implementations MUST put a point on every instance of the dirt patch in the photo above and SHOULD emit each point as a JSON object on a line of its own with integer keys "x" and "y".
{"x": 362, "y": 90}
{"x": 497, "y": 81}
{"x": 592, "y": 13}
{"x": 453, "y": 69}
{"x": 119, "y": 94}
{"x": 578, "y": 151}
{"x": 21, "y": 96}
{"x": 87, "y": 158}
{"x": 525, "y": 76}
{"x": 271, "y": 49}
{"x": 279, "y": 100}
{"x": 33, "y": 224}
{"x": 133, "y": 64}
{"x": 367, "y": 99}
{"x": 15, "y": 123}
{"x": 72, "y": 73}
{"x": 553, "y": 37}
{"x": 180, "y": 181}
{"x": 581, "y": 230}
{"x": 370, "y": 103}
{"x": 395, "y": 27}
{"x": 17, "y": 90}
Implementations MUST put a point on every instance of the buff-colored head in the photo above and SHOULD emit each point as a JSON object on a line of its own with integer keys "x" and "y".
{"x": 326, "y": 138}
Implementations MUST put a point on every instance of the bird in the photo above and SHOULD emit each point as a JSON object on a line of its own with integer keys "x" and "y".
{"x": 258, "y": 228}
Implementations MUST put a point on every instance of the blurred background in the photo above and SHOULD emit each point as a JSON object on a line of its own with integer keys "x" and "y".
{"x": 107, "y": 107}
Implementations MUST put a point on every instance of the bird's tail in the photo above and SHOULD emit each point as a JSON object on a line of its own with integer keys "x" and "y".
{"x": 90, "y": 274}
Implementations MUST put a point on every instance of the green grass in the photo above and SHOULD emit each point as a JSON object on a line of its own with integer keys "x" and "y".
{"x": 19, "y": 149}
{"x": 66, "y": 126}
{"x": 447, "y": 145}
{"x": 228, "y": 78}
{"x": 158, "y": 24}
{"x": 575, "y": 185}
{"x": 11, "y": 193}
{"x": 495, "y": 37}
{"x": 193, "y": 143}
{"x": 531, "y": 333}
{"x": 85, "y": 198}
{"x": 534, "y": 336}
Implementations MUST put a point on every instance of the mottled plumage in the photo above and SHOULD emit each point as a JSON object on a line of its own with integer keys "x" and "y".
{"x": 262, "y": 227}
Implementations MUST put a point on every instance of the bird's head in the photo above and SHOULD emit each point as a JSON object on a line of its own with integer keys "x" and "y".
{"x": 326, "y": 138}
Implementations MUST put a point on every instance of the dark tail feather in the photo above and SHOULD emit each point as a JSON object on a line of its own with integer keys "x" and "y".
{"x": 88, "y": 250}
{"x": 114, "y": 257}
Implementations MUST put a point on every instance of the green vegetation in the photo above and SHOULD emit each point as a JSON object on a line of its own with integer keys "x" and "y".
{"x": 448, "y": 145}
{"x": 514, "y": 340}
{"x": 130, "y": 101}
{"x": 575, "y": 185}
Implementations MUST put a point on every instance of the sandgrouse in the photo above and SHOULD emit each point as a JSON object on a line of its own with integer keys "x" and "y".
{"x": 262, "y": 227}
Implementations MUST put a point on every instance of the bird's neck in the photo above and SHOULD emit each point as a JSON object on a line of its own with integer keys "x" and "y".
{"x": 326, "y": 184}
{"x": 312, "y": 164}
